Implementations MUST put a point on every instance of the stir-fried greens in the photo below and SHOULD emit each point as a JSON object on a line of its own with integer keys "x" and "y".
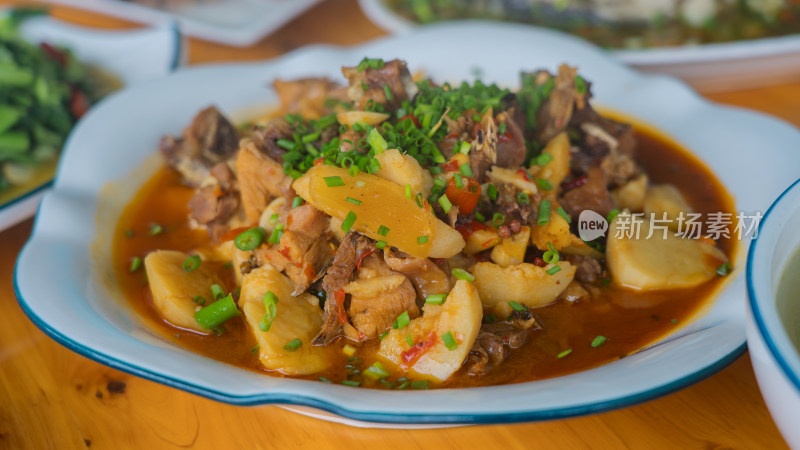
{"x": 421, "y": 228}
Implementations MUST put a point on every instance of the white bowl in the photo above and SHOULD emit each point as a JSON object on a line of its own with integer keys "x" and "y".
{"x": 80, "y": 306}
{"x": 775, "y": 359}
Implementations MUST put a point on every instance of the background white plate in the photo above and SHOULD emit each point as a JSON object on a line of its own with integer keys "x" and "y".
{"x": 81, "y": 307}
{"x": 133, "y": 56}
{"x": 709, "y": 68}
{"x": 232, "y": 22}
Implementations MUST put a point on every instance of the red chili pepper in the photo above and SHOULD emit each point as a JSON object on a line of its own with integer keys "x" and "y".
{"x": 470, "y": 227}
{"x": 577, "y": 182}
{"x": 451, "y": 166}
{"x": 465, "y": 197}
{"x": 363, "y": 255}
{"x": 412, "y": 355}
{"x": 410, "y": 116}
{"x": 231, "y": 234}
{"x": 341, "y": 314}
{"x": 78, "y": 103}
{"x": 54, "y": 53}
{"x": 319, "y": 161}
{"x": 524, "y": 174}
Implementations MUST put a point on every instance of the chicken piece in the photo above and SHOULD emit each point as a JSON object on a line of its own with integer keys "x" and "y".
{"x": 370, "y": 84}
{"x": 427, "y": 277}
{"x": 306, "y": 96}
{"x": 260, "y": 179}
{"x": 592, "y": 195}
{"x": 483, "y": 154}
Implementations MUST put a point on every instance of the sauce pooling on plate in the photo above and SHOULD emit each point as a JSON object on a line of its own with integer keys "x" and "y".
{"x": 402, "y": 234}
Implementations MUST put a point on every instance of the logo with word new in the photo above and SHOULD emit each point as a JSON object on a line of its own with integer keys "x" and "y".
{"x": 591, "y": 225}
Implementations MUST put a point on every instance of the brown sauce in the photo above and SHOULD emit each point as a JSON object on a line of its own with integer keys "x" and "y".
{"x": 629, "y": 320}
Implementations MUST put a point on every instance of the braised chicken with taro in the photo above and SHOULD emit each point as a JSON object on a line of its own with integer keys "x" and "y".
{"x": 397, "y": 233}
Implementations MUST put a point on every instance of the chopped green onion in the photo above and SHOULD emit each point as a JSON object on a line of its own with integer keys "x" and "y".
{"x": 598, "y": 341}
{"x": 449, "y": 341}
{"x": 353, "y": 171}
{"x": 435, "y": 170}
{"x": 419, "y": 385}
{"x": 376, "y": 371}
{"x": 551, "y": 256}
{"x": 724, "y": 269}
{"x": 489, "y": 318}
{"x": 445, "y": 202}
{"x": 543, "y": 159}
{"x": 380, "y": 245}
{"x": 334, "y": 181}
{"x": 217, "y": 292}
{"x": 250, "y": 239}
{"x": 285, "y": 143}
{"x": 376, "y": 141}
{"x": 408, "y": 191}
{"x": 155, "y": 229}
{"x": 465, "y": 170}
{"x": 491, "y": 191}
{"x": 564, "y": 214}
{"x": 370, "y": 63}
{"x": 439, "y": 184}
{"x": 270, "y": 311}
{"x": 517, "y": 307}
{"x": 136, "y": 263}
{"x": 612, "y": 215}
{"x": 403, "y": 385}
{"x": 480, "y": 217}
{"x": 462, "y": 274}
{"x": 464, "y": 147}
{"x": 402, "y": 321}
{"x": 217, "y": 313}
{"x": 297, "y": 201}
{"x": 386, "y": 383}
{"x": 191, "y": 263}
{"x": 501, "y": 129}
{"x": 523, "y": 199}
{"x": 293, "y": 345}
{"x": 545, "y": 184}
{"x": 553, "y": 270}
{"x": 310, "y": 138}
{"x": 383, "y": 231}
{"x": 353, "y": 201}
{"x": 580, "y": 84}
{"x": 199, "y": 300}
{"x": 275, "y": 237}
{"x": 325, "y": 380}
{"x": 476, "y": 117}
{"x": 544, "y": 213}
{"x": 383, "y": 335}
{"x": 436, "y": 299}
{"x": 498, "y": 219}
{"x": 422, "y": 239}
{"x": 349, "y": 220}
{"x": 274, "y": 218}
{"x": 409, "y": 341}
{"x": 564, "y": 353}
{"x": 254, "y": 349}
{"x": 458, "y": 180}
{"x": 387, "y": 91}
{"x": 351, "y": 383}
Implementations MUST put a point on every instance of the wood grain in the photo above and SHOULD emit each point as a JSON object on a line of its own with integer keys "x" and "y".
{"x": 53, "y": 398}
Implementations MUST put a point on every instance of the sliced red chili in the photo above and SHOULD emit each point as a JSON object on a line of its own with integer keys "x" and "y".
{"x": 412, "y": 355}
{"x": 468, "y": 228}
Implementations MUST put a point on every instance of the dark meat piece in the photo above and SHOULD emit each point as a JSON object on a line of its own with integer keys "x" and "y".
{"x": 511, "y": 149}
{"x": 483, "y": 154}
{"x": 508, "y": 205}
{"x": 266, "y": 139}
{"x": 496, "y": 340}
{"x": 555, "y": 113}
{"x": 339, "y": 274}
{"x": 306, "y": 96}
{"x": 261, "y": 178}
{"x": 427, "y": 277}
{"x": 592, "y": 195}
{"x": 607, "y": 143}
{"x": 368, "y": 84}
{"x": 214, "y": 204}
{"x": 587, "y": 269}
{"x": 208, "y": 140}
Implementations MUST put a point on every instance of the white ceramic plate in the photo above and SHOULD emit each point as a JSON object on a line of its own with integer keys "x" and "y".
{"x": 80, "y": 307}
{"x": 132, "y": 56}
{"x": 232, "y": 22}
{"x": 708, "y": 68}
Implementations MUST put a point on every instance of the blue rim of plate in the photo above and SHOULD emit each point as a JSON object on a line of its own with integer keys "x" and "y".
{"x": 389, "y": 418}
{"x": 177, "y": 55}
{"x": 758, "y": 317}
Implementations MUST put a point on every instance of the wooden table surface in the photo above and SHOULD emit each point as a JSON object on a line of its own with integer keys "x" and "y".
{"x": 53, "y": 398}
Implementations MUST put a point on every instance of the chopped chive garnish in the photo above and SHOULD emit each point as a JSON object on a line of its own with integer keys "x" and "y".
{"x": 254, "y": 349}
{"x": 129, "y": 233}
{"x": 422, "y": 239}
{"x": 674, "y": 321}
{"x": 459, "y": 181}
{"x": 217, "y": 313}
{"x": 297, "y": 201}
{"x": 498, "y": 219}
{"x": 551, "y": 256}
{"x": 285, "y": 143}
{"x": 491, "y": 191}
{"x": 369, "y": 63}
{"x": 387, "y": 91}
{"x": 250, "y": 239}
{"x": 270, "y": 311}
{"x": 435, "y": 170}
{"x": 523, "y": 199}
{"x": 408, "y": 191}
{"x": 564, "y": 214}
{"x": 543, "y": 159}
{"x": 353, "y": 171}
{"x": 501, "y": 129}
{"x": 351, "y": 383}
{"x": 465, "y": 170}
{"x": 403, "y": 385}
{"x": 409, "y": 341}
{"x": 310, "y": 138}
{"x": 580, "y": 84}
{"x": 449, "y": 341}
{"x": 612, "y": 215}
{"x": 275, "y": 237}
{"x": 419, "y": 385}
{"x": 155, "y": 229}
{"x": 516, "y": 306}
{"x": 545, "y": 184}
{"x": 380, "y": 244}
{"x": 553, "y": 270}
{"x": 325, "y": 380}
{"x": 383, "y": 335}
{"x": 376, "y": 371}
{"x": 445, "y": 202}
{"x": 402, "y": 321}
{"x": 544, "y": 213}
{"x": 598, "y": 341}
{"x": 191, "y": 263}
{"x": 464, "y": 147}
{"x": 439, "y": 184}
{"x": 136, "y": 263}
{"x": 564, "y": 353}
{"x": 386, "y": 383}
{"x": 217, "y": 292}
{"x": 334, "y": 181}
{"x": 436, "y": 299}
{"x": 199, "y": 300}
{"x": 383, "y": 230}
{"x": 724, "y": 269}
{"x": 274, "y": 218}
{"x": 376, "y": 141}
{"x": 353, "y": 201}
{"x": 349, "y": 220}
{"x": 462, "y": 274}
{"x": 293, "y": 345}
